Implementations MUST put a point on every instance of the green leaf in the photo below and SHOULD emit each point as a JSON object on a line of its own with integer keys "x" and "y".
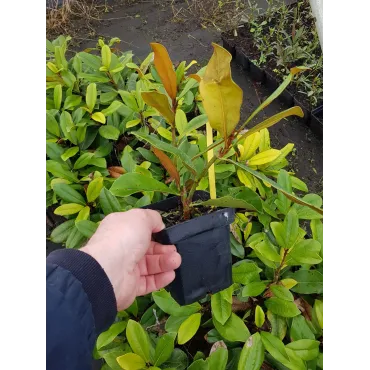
{"x": 234, "y": 330}
{"x": 317, "y": 232}
{"x": 167, "y": 304}
{"x": 309, "y": 281}
{"x": 75, "y": 238}
{"x": 61, "y": 232}
{"x": 52, "y": 125}
{"x": 305, "y": 252}
{"x": 59, "y": 170}
{"x": 318, "y": 308}
{"x": 300, "y": 329}
{"x": 305, "y": 213}
{"x": 282, "y": 293}
{"x": 87, "y": 228}
{"x": 245, "y": 272}
{"x": 66, "y": 122}
{"x": 188, "y": 328}
{"x": 306, "y": 349}
{"x": 283, "y": 203}
{"x": 164, "y": 348}
{"x": 221, "y": 308}
{"x": 282, "y": 307}
{"x": 131, "y": 361}
{"x": 252, "y": 355}
{"x": 177, "y": 361}
{"x": 199, "y": 365}
{"x": 72, "y": 101}
{"x": 106, "y": 56}
{"x": 108, "y": 202}
{"x": 275, "y": 347}
{"x": 278, "y": 325}
{"x": 83, "y": 215}
{"x": 259, "y": 316}
{"x": 99, "y": 117}
{"x": 57, "y": 96}
{"x": 173, "y": 323}
{"x": 112, "y": 108}
{"x": 194, "y": 124}
{"x": 107, "y": 336}
{"x": 264, "y": 157}
{"x": 253, "y": 289}
{"x": 129, "y": 100}
{"x": 70, "y": 153}
{"x": 181, "y": 121}
{"x": 138, "y": 339}
{"x": 276, "y": 186}
{"x": 291, "y": 228}
{"x": 109, "y": 132}
{"x": 94, "y": 189}
{"x": 218, "y": 359}
{"x": 131, "y": 183}
{"x": 91, "y": 96}
{"x": 247, "y": 199}
{"x": 83, "y": 161}
{"x": 68, "y": 209}
{"x": 151, "y": 139}
{"x": 68, "y": 194}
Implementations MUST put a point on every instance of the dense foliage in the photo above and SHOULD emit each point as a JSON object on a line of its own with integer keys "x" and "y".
{"x": 122, "y": 135}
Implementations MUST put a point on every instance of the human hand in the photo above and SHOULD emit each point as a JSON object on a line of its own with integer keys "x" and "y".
{"x": 134, "y": 264}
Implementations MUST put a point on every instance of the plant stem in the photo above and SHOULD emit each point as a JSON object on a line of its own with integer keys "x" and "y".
{"x": 278, "y": 270}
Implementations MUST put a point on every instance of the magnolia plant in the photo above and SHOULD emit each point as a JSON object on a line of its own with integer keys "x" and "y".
{"x": 221, "y": 99}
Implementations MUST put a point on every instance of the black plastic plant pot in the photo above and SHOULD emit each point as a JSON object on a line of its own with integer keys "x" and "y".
{"x": 306, "y": 110}
{"x": 287, "y": 98}
{"x": 271, "y": 81}
{"x": 241, "y": 59}
{"x": 227, "y": 45}
{"x": 204, "y": 246}
{"x": 316, "y": 123}
{"x": 257, "y": 74}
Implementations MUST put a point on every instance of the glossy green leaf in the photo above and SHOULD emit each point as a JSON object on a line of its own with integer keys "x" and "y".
{"x": 259, "y": 316}
{"x": 173, "y": 323}
{"x": 319, "y": 308}
{"x": 57, "y": 96}
{"x": 167, "y": 304}
{"x": 275, "y": 347}
{"x": 188, "y": 328}
{"x": 131, "y": 183}
{"x": 112, "y": 108}
{"x": 309, "y": 281}
{"x": 275, "y": 185}
{"x": 253, "y": 289}
{"x": 305, "y": 213}
{"x": 72, "y": 101}
{"x": 61, "y": 232}
{"x": 59, "y": 170}
{"x": 91, "y": 96}
{"x": 218, "y": 359}
{"x": 282, "y": 307}
{"x": 108, "y": 202}
{"x": 83, "y": 215}
{"x": 177, "y": 361}
{"x": 66, "y": 122}
{"x": 199, "y": 365}
{"x": 68, "y": 194}
{"x": 194, "y": 124}
{"x": 234, "y": 329}
{"x": 306, "y": 349}
{"x": 181, "y": 121}
{"x": 109, "y": 132}
{"x": 252, "y": 355}
{"x": 75, "y": 238}
{"x": 246, "y": 272}
{"x": 300, "y": 329}
{"x": 83, "y": 161}
{"x": 305, "y": 252}
{"x": 164, "y": 348}
{"x": 87, "y": 228}
{"x": 221, "y": 308}
{"x": 99, "y": 117}
{"x": 138, "y": 339}
{"x": 68, "y": 209}
{"x": 106, "y": 56}
{"x": 94, "y": 189}
{"x": 282, "y": 293}
{"x": 52, "y": 125}
{"x": 278, "y": 325}
{"x": 70, "y": 152}
{"x": 131, "y": 361}
{"x": 109, "y": 335}
{"x": 283, "y": 203}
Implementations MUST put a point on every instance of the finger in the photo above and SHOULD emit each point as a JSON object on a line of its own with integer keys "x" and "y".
{"x": 151, "y": 283}
{"x": 158, "y": 263}
{"x": 155, "y": 220}
{"x": 157, "y": 248}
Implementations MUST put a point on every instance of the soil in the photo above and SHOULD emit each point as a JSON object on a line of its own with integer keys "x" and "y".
{"x": 245, "y": 41}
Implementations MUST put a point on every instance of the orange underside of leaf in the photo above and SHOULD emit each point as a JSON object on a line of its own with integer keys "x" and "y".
{"x": 167, "y": 164}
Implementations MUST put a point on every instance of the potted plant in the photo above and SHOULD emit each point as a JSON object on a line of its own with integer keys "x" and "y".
{"x": 199, "y": 231}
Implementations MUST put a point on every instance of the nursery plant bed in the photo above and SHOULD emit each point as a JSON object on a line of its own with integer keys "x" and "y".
{"x": 204, "y": 245}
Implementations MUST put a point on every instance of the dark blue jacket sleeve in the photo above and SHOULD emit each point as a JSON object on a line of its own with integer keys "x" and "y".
{"x": 80, "y": 304}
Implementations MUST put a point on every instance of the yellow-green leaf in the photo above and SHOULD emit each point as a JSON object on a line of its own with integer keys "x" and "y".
{"x": 160, "y": 102}
{"x": 68, "y": 209}
{"x": 57, "y": 96}
{"x": 264, "y": 157}
{"x": 133, "y": 123}
{"x": 188, "y": 328}
{"x": 106, "y": 56}
{"x": 164, "y": 133}
{"x": 94, "y": 189}
{"x": 181, "y": 121}
{"x": 289, "y": 283}
{"x": 245, "y": 178}
{"x": 70, "y": 153}
{"x": 250, "y": 145}
{"x": 84, "y": 214}
{"x": 259, "y": 316}
{"x": 222, "y": 97}
{"x": 164, "y": 67}
{"x": 98, "y": 117}
{"x": 131, "y": 361}
{"x": 91, "y": 96}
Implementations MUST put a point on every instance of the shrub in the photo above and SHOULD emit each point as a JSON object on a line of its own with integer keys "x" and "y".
{"x": 100, "y": 109}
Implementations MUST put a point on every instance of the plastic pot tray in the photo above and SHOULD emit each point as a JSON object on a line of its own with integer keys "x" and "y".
{"x": 204, "y": 245}
{"x": 268, "y": 79}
